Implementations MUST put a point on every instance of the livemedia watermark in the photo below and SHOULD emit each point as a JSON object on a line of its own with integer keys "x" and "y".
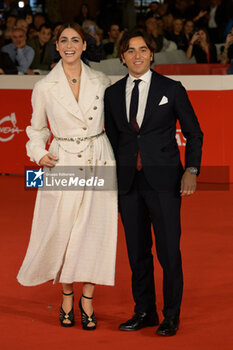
{"x": 72, "y": 178}
{"x": 104, "y": 178}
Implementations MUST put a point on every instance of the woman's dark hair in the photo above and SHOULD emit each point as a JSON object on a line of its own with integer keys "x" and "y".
{"x": 124, "y": 43}
{"x": 206, "y": 33}
{"x": 74, "y": 26}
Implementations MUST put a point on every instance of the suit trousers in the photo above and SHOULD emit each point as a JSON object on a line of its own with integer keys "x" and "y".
{"x": 139, "y": 208}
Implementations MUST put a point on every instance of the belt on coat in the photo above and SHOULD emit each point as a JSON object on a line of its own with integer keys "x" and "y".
{"x": 78, "y": 138}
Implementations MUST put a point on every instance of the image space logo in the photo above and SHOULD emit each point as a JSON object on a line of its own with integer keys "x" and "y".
{"x": 34, "y": 178}
{"x": 8, "y": 128}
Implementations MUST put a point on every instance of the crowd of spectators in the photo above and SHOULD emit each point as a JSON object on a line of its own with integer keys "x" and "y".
{"x": 27, "y": 42}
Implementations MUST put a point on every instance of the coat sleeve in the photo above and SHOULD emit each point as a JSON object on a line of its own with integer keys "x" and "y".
{"x": 190, "y": 127}
{"x": 38, "y": 131}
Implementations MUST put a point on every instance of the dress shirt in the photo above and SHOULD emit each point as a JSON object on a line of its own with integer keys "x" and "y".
{"x": 23, "y": 57}
{"x": 212, "y": 13}
{"x": 143, "y": 94}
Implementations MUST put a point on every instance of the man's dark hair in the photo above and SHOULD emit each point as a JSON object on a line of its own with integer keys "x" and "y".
{"x": 124, "y": 43}
{"x": 45, "y": 25}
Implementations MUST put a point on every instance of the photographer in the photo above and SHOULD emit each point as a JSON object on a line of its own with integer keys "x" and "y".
{"x": 201, "y": 48}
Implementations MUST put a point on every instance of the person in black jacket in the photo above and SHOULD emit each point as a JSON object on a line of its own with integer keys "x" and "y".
{"x": 141, "y": 112}
{"x": 201, "y": 48}
{"x": 6, "y": 64}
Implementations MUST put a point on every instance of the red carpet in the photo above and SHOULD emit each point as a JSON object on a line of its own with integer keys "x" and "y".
{"x": 29, "y": 315}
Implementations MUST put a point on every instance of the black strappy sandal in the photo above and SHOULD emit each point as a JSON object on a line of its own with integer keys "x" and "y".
{"x": 67, "y": 316}
{"x": 85, "y": 319}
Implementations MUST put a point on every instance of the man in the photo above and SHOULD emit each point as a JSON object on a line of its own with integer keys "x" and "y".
{"x": 153, "y": 10}
{"x": 141, "y": 114}
{"x": 41, "y": 46}
{"x": 20, "y": 53}
{"x": 22, "y": 23}
{"x": 111, "y": 44}
{"x": 95, "y": 51}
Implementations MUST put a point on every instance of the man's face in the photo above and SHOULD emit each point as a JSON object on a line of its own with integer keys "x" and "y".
{"x": 10, "y": 22}
{"x": 21, "y": 23}
{"x": 19, "y": 38}
{"x": 138, "y": 57}
{"x": 151, "y": 24}
{"x": 114, "y": 32}
{"x": 178, "y": 25}
{"x": 44, "y": 35}
{"x": 189, "y": 27}
{"x": 154, "y": 6}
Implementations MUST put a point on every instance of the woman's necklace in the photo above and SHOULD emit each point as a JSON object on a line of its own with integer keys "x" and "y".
{"x": 73, "y": 81}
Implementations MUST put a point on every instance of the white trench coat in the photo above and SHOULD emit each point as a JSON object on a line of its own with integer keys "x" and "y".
{"x": 74, "y": 233}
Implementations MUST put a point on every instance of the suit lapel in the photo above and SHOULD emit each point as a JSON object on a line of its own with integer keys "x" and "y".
{"x": 155, "y": 94}
{"x": 122, "y": 97}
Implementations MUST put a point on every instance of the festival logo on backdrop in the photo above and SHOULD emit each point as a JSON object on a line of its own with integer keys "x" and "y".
{"x": 9, "y": 128}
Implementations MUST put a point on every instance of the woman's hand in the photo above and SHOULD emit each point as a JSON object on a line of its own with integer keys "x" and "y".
{"x": 229, "y": 39}
{"x": 195, "y": 37}
{"x": 48, "y": 160}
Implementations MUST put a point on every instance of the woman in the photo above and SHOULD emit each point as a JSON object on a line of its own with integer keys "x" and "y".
{"x": 177, "y": 34}
{"x": 201, "y": 48}
{"x": 188, "y": 30}
{"x": 74, "y": 233}
{"x": 83, "y": 14}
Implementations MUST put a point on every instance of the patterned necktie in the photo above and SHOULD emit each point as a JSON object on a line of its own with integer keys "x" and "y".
{"x": 133, "y": 109}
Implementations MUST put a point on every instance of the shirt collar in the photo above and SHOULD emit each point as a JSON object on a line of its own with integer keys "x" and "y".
{"x": 145, "y": 77}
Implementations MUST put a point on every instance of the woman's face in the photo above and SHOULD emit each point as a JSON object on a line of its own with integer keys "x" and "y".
{"x": 70, "y": 45}
{"x": 202, "y": 35}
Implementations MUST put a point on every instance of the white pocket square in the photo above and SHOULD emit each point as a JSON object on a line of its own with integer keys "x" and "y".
{"x": 163, "y": 101}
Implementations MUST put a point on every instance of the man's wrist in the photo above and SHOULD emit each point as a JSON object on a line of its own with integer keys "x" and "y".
{"x": 192, "y": 170}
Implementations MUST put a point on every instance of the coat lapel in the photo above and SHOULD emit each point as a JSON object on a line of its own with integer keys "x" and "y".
{"x": 61, "y": 90}
{"x": 89, "y": 88}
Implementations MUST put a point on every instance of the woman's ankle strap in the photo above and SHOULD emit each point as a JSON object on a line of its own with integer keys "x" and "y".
{"x": 67, "y": 294}
{"x": 86, "y": 297}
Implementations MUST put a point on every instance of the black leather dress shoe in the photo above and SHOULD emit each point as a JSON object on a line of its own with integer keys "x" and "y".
{"x": 169, "y": 326}
{"x": 140, "y": 320}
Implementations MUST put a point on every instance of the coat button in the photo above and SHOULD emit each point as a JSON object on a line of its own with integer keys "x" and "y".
{"x": 84, "y": 128}
{"x": 97, "y": 97}
{"x": 79, "y": 155}
{"x": 81, "y": 169}
{"x": 95, "y": 108}
{"x": 78, "y": 142}
{"x": 90, "y": 118}
{"x": 139, "y": 136}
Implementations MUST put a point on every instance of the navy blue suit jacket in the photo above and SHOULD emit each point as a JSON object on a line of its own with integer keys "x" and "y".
{"x": 156, "y": 139}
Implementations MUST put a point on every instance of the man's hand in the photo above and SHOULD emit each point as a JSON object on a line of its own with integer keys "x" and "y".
{"x": 188, "y": 184}
{"x": 48, "y": 160}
